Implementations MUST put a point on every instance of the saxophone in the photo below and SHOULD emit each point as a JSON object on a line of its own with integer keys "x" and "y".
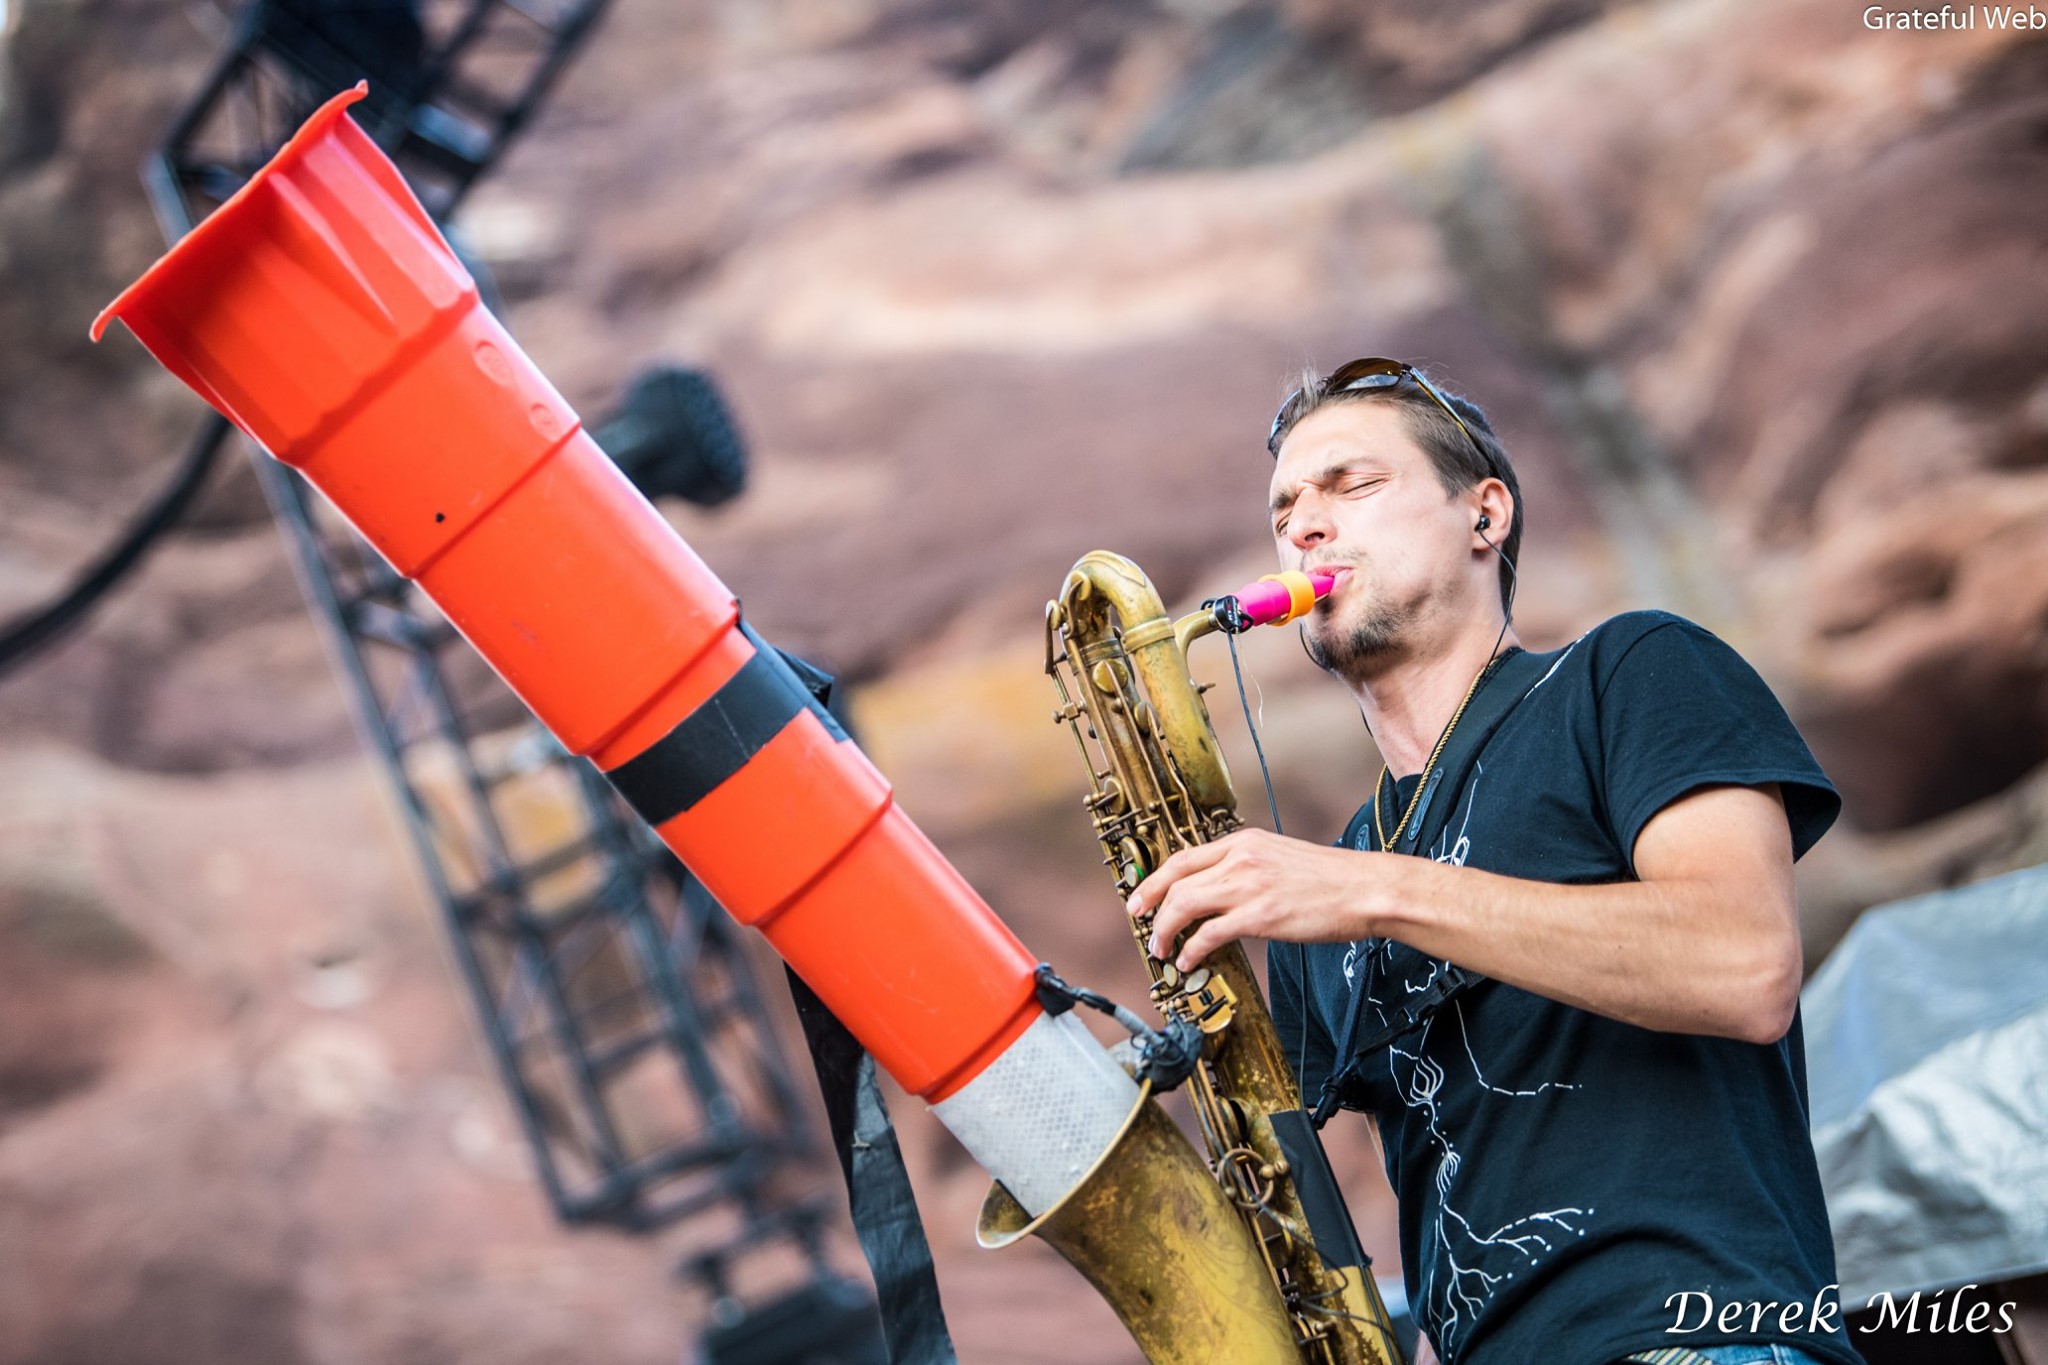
{"x": 1158, "y": 783}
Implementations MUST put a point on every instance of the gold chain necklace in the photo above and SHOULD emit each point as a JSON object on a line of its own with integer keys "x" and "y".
{"x": 1378, "y": 826}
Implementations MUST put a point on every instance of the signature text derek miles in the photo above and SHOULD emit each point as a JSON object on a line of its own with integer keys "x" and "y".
{"x": 1701, "y": 1312}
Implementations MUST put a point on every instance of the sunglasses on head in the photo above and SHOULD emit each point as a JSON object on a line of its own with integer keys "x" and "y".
{"x": 1358, "y": 376}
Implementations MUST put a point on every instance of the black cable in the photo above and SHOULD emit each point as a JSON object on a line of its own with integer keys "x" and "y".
{"x": 27, "y": 635}
{"x": 1507, "y": 614}
{"x": 1514, "y": 583}
{"x": 1272, "y": 805}
{"x": 1166, "y": 1056}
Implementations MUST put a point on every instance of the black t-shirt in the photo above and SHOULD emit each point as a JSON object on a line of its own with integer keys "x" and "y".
{"x": 1562, "y": 1175}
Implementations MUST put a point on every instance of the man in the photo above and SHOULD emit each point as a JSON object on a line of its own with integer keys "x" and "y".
{"x": 1574, "y": 1020}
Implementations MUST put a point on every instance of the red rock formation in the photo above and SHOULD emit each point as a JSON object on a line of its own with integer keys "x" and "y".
{"x": 1755, "y": 295}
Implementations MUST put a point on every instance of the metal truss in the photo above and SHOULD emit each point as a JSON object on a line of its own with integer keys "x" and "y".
{"x": 452, "y": 84}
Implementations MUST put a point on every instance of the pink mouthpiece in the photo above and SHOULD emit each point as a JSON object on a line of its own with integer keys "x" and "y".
{"x": 1271, "y": 601}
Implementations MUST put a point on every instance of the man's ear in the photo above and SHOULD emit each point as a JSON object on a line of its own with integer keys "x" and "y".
{"x": 1493, "y": 506}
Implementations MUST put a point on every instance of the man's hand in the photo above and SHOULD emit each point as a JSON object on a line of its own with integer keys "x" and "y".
{"x": 1425, "y": 1354}
{"x": 1253, "y": 884}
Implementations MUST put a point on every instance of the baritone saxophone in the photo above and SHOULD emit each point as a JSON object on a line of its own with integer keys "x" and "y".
{"x": 1157, "y": 783}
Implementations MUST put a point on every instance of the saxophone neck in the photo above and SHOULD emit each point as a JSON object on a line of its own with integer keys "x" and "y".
{"x": 1194, "y": 626}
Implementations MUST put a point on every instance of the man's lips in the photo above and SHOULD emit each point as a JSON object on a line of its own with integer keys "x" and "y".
{"x": 1340, "y": 572}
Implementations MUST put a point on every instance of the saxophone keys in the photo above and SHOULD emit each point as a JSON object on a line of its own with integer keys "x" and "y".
{"x": 1212, "y": 1001}
{"x": 1110, "y": 676}
{"x": 1108, "y": 796}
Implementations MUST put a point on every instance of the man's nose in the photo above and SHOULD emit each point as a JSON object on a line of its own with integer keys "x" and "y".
{"x": 1307, "y": 526}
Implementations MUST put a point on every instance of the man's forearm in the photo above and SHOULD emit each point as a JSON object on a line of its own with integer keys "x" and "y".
{"x": 1677, "y": 955}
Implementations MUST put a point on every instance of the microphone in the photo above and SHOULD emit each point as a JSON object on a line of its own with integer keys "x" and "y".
{"x": 1274, "y": 600}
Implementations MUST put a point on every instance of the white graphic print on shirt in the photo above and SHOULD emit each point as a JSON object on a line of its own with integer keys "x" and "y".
{"x": 1463, "y": 1266}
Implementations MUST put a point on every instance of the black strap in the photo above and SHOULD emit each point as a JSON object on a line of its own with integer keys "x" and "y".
{"x": 1414, "y": 1012}
{"x": 715, "y": 741}
{"x": 1513, "y": 678}
{"x": 878, "y": 1192}
{"x": 1330, "y": 1227}
{"x": 877, "y": 1188}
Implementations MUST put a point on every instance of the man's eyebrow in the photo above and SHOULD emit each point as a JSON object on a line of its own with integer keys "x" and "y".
{"x": 1285, "y": 499}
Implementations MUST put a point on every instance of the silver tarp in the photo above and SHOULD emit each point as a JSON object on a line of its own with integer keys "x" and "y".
{"x": 1927, "y": 1062}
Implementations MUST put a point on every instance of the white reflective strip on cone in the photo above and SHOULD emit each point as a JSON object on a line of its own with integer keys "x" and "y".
{"x": 1042, "y": 1112}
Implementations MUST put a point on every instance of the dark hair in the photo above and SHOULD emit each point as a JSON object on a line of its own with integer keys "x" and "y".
{"x": 1458, "y": 464}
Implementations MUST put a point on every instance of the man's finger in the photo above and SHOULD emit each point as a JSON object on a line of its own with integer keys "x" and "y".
{"x": 1213, "y": 934}
{"x": 1187, "y": 861}
{"x": 1195, "y": 896}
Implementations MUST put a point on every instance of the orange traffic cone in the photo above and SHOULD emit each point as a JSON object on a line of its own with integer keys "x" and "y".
{"x": 322, "y": 312}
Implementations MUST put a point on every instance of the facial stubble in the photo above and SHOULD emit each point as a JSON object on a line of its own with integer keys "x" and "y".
{"x": 1342, "y": 651}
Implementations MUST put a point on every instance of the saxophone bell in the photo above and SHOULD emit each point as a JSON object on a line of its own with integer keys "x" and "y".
{"x": 1151, "y": 1229}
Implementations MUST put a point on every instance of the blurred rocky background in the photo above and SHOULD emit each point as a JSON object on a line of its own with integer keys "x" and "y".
{"x": 1757, "y": 297}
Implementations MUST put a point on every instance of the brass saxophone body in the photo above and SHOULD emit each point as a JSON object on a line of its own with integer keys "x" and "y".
{"x": 1158, "y": 783}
